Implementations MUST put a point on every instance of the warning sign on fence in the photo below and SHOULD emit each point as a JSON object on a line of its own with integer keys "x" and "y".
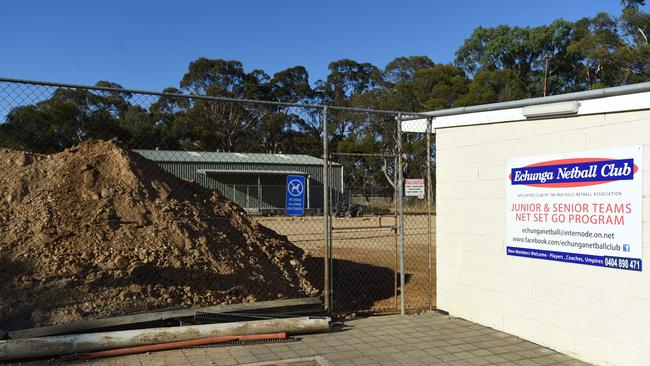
{"x": 295, "y": 195}
{"x": 582, "y": 208}
{"x": 414, "y": 188}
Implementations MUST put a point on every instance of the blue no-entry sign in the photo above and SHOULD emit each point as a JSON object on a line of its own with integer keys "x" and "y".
{"x": 295, "y": 195}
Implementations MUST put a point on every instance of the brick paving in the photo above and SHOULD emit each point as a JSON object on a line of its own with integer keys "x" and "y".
{"x": 424, "y": 339}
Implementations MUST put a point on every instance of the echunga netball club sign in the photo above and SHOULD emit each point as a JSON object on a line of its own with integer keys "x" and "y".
{"x": 582, "y": 207}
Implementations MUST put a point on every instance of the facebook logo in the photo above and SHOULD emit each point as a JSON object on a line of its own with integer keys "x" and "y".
{"x": 626, "y": 247}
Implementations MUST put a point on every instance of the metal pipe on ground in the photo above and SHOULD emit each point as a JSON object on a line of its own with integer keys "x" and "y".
{"x": 181, "y": 344}
{"x": 16, "y": 349}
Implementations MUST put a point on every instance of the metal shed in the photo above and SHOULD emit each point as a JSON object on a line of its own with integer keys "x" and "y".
{"x": 256, "y": 182}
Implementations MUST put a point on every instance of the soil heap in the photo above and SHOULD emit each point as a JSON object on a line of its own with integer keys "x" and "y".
{"x": 98, "y": 230}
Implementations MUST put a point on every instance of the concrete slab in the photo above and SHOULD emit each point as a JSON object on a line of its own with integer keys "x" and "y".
{"x": 423, "y": 339}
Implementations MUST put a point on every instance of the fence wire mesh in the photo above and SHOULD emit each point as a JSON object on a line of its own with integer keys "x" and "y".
{"x": 419, "y": 226}
{"x": 115, "y": 201}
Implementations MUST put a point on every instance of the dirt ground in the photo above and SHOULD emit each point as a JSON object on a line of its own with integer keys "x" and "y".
{"x": 366, "y": 259}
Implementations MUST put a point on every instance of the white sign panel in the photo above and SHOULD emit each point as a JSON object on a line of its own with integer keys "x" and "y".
{"x": 414, "y": 188}
{"x": 582, "y": 207}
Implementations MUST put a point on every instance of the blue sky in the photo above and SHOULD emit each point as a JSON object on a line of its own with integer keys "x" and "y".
{"x": 149, "y": 44}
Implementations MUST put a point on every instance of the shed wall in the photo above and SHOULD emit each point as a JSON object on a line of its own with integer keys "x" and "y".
{"x": 244, "y": 193}
{"x": 596, "y": 314}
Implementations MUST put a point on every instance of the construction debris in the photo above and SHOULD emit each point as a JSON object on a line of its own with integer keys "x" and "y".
{"x": 181, "y": 344}
{"x": 16, "y": 349}
{"x": 97, "y": 231}
{"x": 160, "y": 318}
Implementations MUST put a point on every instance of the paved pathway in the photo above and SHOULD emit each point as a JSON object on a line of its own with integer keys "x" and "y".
{"x": 425, "y": 339}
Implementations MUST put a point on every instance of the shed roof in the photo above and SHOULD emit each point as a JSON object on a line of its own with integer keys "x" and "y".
{"x": 245, "y": 171}
{"x": 228, "y": 157}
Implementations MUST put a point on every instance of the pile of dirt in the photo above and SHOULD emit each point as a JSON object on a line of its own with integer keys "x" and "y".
{"x": 97, "y": 230}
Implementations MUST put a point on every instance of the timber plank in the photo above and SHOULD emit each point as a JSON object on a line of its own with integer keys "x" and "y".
{"x": 273, "y": 306}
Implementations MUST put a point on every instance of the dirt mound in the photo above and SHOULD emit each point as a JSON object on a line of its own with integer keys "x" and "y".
{"x": 97, "y": 230}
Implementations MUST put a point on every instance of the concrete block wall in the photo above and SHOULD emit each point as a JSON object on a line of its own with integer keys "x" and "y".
{"x": 598, "y": 315}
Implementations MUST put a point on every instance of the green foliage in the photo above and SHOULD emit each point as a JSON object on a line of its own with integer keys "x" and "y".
{"x": 521, "y": 50}
{"x": 348, "y": 77}
{"x": 590, "y": 53}
{"x": 432, "y": 88}
{"x": 493, "y": 87}
{"x": 632, "y": 4}
{"x": 402, "y": 69}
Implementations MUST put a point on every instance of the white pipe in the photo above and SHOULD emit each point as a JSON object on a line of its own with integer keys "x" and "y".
{"x": 15, "y": 349}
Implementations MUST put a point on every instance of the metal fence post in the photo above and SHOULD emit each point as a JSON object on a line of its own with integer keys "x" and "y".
{"x": 396, "y": 218}
{"x": 326, "y": 217}
{"x": 259, "y": 194}
{"x": 332, "y": 194}
{"x": 402, "y": 277}
{"x": 429, "y": 199}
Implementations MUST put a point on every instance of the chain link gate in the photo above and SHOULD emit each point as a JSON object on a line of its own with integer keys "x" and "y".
{"x": 374, "y": 231}
{"x": 365, "y": 241}
{"x": 418, "y": 223}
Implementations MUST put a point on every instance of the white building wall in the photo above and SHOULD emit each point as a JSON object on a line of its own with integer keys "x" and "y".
{"x": 595, "y": 314}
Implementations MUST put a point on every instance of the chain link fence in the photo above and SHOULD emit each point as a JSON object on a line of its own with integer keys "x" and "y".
{"x": 418, "y": 223}
{"x": 115, "y": 201}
